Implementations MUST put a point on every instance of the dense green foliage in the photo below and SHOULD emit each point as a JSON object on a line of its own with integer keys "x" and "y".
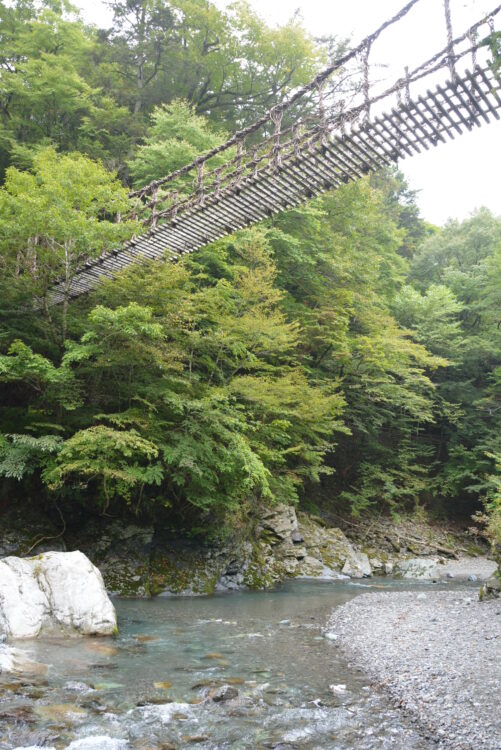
{"x": 343, "y": 353}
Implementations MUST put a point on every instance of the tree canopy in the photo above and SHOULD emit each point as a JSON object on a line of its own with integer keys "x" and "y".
{"x": 343, "y": 354}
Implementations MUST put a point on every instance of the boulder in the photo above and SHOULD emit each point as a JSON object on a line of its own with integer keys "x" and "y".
{"x": 418, "y": 567}
{"x": 56, "y": 592}
{"x": 357, "y": 565}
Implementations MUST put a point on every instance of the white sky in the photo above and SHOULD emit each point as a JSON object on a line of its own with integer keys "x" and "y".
{"x": 453, "y": 179}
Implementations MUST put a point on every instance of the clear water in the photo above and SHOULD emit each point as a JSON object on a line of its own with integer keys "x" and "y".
{"x": 153, "y": 685}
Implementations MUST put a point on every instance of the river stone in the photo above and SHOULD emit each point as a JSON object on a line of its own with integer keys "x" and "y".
{"x": 357, "y": 565}
{"x": 224, "y": 693}
{"x": 53, "y": 592}
{"x": 98, "y": 742}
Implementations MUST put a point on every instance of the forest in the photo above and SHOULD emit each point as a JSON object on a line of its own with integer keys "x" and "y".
{"x": 343, "y": 355}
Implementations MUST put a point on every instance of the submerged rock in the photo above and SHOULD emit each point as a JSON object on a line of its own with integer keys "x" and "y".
{"x": 14, "y": 661}
{"x": 56, "y": 592}
{"x": 99, "y": 742}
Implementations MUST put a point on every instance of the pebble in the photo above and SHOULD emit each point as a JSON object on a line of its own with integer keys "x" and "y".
{"x": 438, "y": 656}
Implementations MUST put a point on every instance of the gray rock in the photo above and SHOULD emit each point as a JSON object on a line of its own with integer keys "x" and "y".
{"x": 418, "y": 567}
{"x": 357, "y": 565}
{"x": 389, "y": 567}
{"x": 464, "y": 567}
{"x": 377, "y": 566}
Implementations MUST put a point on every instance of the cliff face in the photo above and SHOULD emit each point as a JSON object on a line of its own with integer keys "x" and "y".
{"x": 142, "y": 560}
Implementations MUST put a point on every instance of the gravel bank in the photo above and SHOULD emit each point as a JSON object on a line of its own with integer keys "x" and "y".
{"x": 437, "y": 654}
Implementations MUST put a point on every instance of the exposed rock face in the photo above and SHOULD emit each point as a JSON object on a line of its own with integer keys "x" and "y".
{"x": 57, "y": 592}
{"x": 280, "y": 521}
{"x": 278, "y": 543}
{"x": 326, "y": 544}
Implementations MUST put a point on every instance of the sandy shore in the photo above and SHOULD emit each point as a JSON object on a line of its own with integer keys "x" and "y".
{"x": 437, "y": 654}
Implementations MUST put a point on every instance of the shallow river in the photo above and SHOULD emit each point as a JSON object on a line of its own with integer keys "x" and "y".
{"x": 153, "y": 687}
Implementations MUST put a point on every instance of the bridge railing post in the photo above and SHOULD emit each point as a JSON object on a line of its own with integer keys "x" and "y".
{"x": 450, "y": 41}
{"x": 255, "y": 160}
{"x": 200, "y": 183}
{"x": 324, "y": 124}
{"x": 276, "y": 115}
{"x": 153, "y": 204}
{"x": 239, "y": 161}
{"x": 366, "y": 83}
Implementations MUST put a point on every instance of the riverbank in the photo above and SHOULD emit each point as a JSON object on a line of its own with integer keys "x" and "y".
{"x": 437, "y": 654}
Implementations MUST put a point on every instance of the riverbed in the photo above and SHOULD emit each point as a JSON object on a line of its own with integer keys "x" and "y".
{"x": 247, "y": 670}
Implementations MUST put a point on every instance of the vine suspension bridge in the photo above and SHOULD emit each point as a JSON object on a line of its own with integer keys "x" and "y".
{"x": 338, "y": 128}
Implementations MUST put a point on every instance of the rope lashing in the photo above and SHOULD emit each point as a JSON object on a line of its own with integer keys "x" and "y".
{"x": 341, "y": 116}
{"x": 175, "y": 201}
{"x": 217, "y": 182}
{"x": 450, "y": 40}
{"x": 154, "y": 213}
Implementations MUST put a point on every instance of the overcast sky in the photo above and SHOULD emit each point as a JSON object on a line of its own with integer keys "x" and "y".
{"x": 453, "y": 179}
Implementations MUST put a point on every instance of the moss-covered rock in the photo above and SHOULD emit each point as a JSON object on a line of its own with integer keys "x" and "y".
{"x": 326, "y": 544}
{"x": 183, "y": 569}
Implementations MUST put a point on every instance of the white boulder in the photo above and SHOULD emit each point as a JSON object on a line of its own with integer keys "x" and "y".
{"x": 56, "y": 592}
